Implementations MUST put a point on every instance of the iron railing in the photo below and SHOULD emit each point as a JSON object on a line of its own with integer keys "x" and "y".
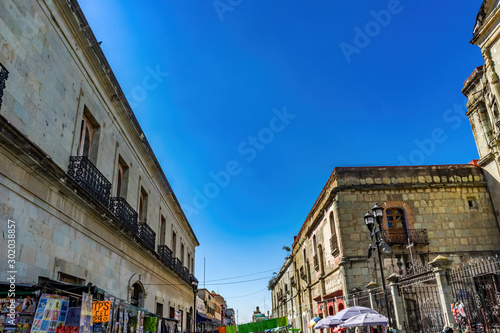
{"x": 415, "y": 236}
{"x": 334, "y": 245}
{"x": 316, "y": 262}
{"x": 4, "y": 75}
{"x": 124, "y": 212}
{"x": 166, "y": 255}
{"x": 476, "y": 289}
{"x": 90, "y": 178}
{"x": 185, "y": 273}
{"x": 178, "y": 265}
{"x": 303, "y": 273}
{"x": 147, "y": 234}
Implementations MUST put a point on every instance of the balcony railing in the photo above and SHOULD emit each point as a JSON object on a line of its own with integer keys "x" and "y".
{"x": 90, "y": 178}
{"x": 4, "y": 75}
{"x": 166, "y": 255}
{"x": 334, "y": 245}
{"x": 303, "y": 273}
{"x": 126, "y": 214}
{"x": 316, "y": 262}
{"x": 415, "y": 236}
{"x": 178, "y": 265}
{"x": 185, "y": 274}
{"x": 147, "y": 234}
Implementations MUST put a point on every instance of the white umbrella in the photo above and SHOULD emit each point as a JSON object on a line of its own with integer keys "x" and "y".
{"x": 365, "y": 319}
{"x": 341, "y": 316}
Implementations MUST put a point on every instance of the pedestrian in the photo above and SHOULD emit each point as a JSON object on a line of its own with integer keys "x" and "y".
{"x": 447, "y": 329}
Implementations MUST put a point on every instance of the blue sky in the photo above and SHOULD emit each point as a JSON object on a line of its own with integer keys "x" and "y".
{"x": 249, "y": 105}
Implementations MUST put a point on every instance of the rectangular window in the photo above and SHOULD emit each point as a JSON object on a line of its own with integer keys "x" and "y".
{"x": 66, "y": 278}
{"x": 163, "y": 226}
{"x": 188, "y": 264}
{"x": 159, "y": 309}
{"x": 182, "y": 253}
{"x": 143, "y": 205}
{"x": 171, "y": 313}
{"x": 174, "y": 243}
{"x": 121, "y": 178}
{"x": 89, "y": 136}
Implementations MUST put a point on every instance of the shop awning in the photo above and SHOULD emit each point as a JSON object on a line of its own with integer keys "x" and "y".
{"x": 201, "y": 318}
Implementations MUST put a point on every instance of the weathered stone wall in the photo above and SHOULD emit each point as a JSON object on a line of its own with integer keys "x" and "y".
{"x": 56, "y": 74}
{"x": 435, "y": 198}
{"x": 52, "y": 79}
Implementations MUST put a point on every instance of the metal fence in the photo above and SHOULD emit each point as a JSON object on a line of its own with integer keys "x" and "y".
{"x": 476, "y": 288}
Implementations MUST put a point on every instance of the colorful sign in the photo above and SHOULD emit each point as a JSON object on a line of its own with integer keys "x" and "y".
{"x": 101, "y": 311}
{"x": 51, "y": 312}
{"x": 86, "y": 314}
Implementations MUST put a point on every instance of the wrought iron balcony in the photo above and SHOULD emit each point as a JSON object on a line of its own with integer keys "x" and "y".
{"x": 185, "y": 274}
{"x": 303, "y": 273}
{"x": 316, "y": 262}
{"x": 125, "y": 213}
{"x": 415, "y": 236}
{"x": 334, "y": 245}
{"x": 147, "y": 234}
{"x": 166, "y": 255}
{"x": 178, "y": 265}
{"x": 90, "y": 178}
{"x": 4, "y": 75}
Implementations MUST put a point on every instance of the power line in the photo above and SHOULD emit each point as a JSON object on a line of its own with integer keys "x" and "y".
{"x": 247, "y": 294}
{"x": 235, "y": 282}
{"x": 236, "y": 277}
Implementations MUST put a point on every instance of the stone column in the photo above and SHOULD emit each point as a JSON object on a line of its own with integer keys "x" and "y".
{"x": 397, "y": 302}
{"x": 441, "y": 265}
{"x": 371, "y": 291}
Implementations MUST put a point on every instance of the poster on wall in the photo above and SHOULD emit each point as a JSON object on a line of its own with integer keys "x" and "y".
{"x": 86, "y": 314}
{"x": 51, "y": 312}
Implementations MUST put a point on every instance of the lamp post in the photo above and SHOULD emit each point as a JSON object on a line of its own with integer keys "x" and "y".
{"x": 377, "y": 214}
{"x": 194, "y": 283}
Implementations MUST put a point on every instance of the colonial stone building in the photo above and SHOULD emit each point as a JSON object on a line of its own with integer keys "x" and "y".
{"x": 78, "y": 178}
{"x": 284, "y": 294}
{"x": 442, "y": 210}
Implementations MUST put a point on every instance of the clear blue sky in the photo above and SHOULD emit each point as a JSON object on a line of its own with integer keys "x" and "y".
{"x": 278, "y": 93}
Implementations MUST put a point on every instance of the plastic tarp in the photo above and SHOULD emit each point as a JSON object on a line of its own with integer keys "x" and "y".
{"x": 261, "y": 326}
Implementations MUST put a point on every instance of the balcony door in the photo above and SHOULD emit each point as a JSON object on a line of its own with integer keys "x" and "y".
{"x": 396, "y": 225}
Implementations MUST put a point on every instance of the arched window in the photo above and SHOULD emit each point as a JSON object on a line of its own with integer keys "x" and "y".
{"x": 396, "y": 224}
{"x": 334, "y": 245}
{"x": 137, "y": 298}
{"x": 86, "y": 137}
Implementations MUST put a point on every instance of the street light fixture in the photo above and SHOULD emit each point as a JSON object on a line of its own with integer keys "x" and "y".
{"x": 194, "y": 283}
{"x": 377, "y": 214}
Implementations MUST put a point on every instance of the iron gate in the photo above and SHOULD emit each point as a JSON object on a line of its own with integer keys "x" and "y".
{"x": 422, "y": 305}
{"x": 476, "y": 288}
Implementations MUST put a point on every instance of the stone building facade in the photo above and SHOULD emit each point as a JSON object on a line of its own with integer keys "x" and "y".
{"x": 441, "y": 210}
{"x": 89, "y": 199}
{"x": 483, "y": 92}
{"x": 284, "y": 294}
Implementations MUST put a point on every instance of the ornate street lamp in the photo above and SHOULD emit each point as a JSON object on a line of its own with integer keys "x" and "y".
{"x": 377, "y": 214}
{"x": 194, "y": 283}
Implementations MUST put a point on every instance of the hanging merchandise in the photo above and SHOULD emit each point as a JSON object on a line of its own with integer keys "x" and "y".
{"x": 150, "y": 324}
{"x": 140, "y": 321}
{"x": 16, "y": 314}
{"x": 51, "y": 313}
{"x": 86, "y": 314}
